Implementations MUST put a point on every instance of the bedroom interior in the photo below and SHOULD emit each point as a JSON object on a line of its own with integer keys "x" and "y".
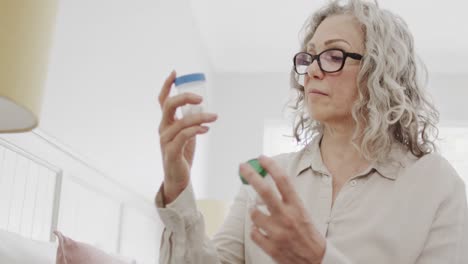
{"x": 91, "y": 166}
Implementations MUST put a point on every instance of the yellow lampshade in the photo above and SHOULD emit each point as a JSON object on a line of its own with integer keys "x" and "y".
{"x": 214, "y": 212}
{"x": 26, "y": 28}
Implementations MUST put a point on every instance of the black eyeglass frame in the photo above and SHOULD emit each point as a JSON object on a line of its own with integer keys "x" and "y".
{"x": 355, "y": 56}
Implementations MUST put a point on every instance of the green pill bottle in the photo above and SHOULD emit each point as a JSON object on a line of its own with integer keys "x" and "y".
{"x": 256, "y": 166}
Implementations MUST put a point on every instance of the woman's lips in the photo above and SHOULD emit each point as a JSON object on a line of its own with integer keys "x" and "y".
{"x": 314, "y": 91}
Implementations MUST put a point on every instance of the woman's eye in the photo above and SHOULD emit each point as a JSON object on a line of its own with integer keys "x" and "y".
{"x": 302, "y": 61}
{"x": 337, "y": 58}
{"x": 332, "y": 56}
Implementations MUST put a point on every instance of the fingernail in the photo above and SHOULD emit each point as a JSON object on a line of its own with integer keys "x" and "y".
{"x": 212, "y": 116}
{"x": 241, "y": 166}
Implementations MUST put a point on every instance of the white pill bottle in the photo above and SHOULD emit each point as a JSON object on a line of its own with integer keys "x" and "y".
{"x": 193, "y": 83}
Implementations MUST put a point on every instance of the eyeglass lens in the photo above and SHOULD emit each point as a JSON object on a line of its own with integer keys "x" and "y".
{"x": 330, "y": 61}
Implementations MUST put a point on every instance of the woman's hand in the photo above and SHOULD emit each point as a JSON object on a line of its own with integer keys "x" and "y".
{"x": 287, "y": 235}
{"x": 178, "y": 137}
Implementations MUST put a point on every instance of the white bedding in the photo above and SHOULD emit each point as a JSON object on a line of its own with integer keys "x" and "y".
{"x": 16, "y": 249}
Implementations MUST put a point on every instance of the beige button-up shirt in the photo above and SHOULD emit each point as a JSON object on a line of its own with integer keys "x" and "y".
{"x": 402, "y": 212}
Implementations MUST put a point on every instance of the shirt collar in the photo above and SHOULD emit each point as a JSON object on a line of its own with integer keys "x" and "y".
{"x": 397, "y": 160}
{"x": 310, "y": 157}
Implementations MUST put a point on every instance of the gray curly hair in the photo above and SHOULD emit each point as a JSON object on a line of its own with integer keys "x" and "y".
{"x": 392, "y": 103}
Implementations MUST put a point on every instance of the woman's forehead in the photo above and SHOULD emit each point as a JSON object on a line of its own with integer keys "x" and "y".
{"x": 339, "y": 27}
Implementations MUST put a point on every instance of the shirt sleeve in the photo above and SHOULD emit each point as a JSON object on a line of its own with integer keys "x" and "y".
{"x": 184, "y": 239}
{"x": 447, "y": 241}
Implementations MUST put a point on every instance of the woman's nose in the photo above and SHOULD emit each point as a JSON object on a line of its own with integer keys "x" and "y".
{"x": 314, "y": 71}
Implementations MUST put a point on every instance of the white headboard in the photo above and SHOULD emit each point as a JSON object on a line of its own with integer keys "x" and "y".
{"x": 29, "y": 193}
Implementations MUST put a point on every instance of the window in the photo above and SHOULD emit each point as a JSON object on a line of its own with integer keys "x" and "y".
{"x": 454, "y": 147}
{"x": 277, "y": 138}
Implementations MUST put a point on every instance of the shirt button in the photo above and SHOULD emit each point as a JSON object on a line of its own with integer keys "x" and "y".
{"x": 353, "y": 183}
{"x": 327, "y": 179}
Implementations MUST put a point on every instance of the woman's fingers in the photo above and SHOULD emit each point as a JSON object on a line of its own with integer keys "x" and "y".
{"x": 264, "y": 190}
{"x": 172, "y": 103}
{"x": 166, "y": 88}
{"x": 282, "y": 182}
{"x": 170, "y": 132}
{"x": 262, "y": 221}
{"x": 174, "y": 148}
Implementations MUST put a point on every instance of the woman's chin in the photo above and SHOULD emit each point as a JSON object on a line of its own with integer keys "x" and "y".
{"x": 318, "y": 116}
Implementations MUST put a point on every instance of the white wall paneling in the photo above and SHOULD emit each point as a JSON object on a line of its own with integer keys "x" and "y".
{"x": 89, "y": 215}
{"x": 140, "y": 236}
{"x": 29, "y": 193}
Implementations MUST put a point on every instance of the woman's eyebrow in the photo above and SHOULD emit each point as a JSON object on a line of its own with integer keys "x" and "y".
{"x": 328, "y": 42}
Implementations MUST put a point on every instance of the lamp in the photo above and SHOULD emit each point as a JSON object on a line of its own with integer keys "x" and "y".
{"x": 213, "y": 212}
{"x": 25, "y": 36}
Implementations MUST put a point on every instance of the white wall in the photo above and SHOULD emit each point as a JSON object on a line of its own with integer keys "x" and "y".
{"x": 242, "y": 102}
{"x": 108, "y": 62}
{"x": 449, "y": 92}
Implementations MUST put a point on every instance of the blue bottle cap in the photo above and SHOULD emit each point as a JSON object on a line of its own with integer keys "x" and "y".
{"x": 194, "y": 77}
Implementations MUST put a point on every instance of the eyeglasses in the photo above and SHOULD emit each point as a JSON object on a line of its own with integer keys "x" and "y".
{"x": 331, "y": 60}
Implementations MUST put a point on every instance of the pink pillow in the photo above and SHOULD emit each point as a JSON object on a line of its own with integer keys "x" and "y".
{"x": 73, "y": 252}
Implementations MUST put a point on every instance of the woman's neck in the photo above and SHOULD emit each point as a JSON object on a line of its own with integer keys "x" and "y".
{"x": 337, "y": 148}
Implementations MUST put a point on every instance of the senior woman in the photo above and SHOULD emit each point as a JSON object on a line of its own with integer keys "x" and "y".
{"x": 367, "y": 188}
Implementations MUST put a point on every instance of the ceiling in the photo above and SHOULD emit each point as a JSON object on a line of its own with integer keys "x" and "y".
{"x": 262, "y": 35}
